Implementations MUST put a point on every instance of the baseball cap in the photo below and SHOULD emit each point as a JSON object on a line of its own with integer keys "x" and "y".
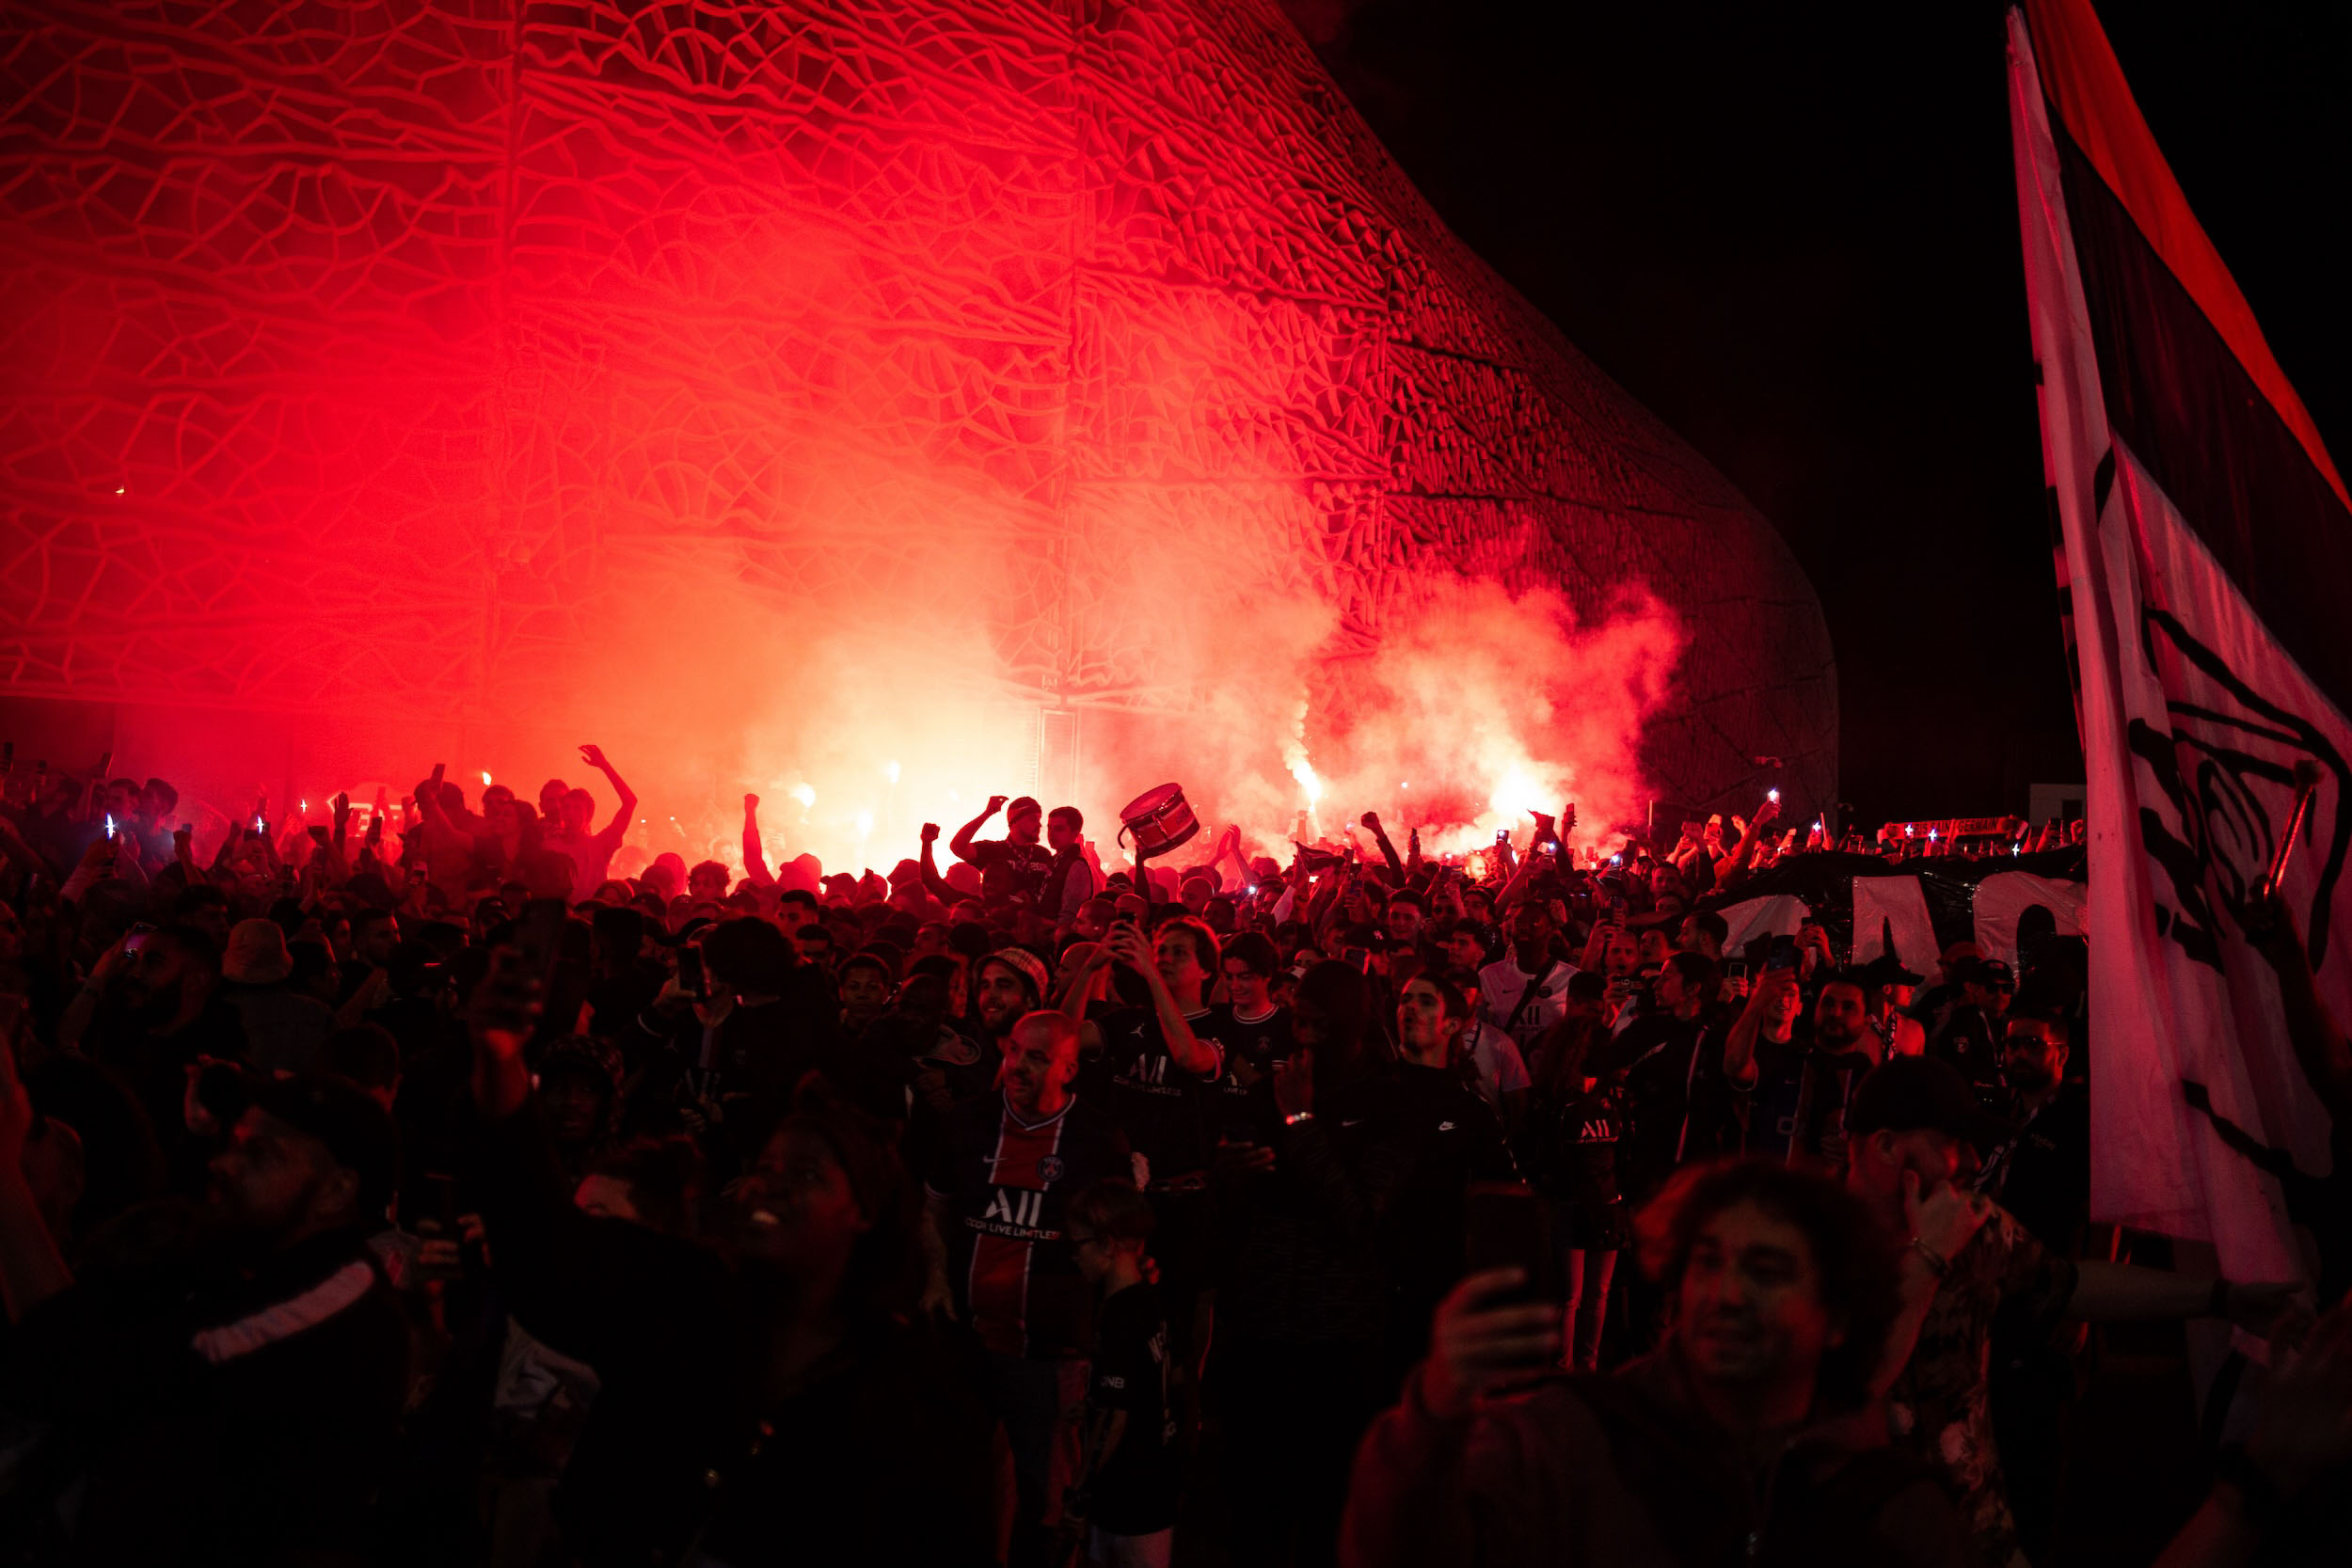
{"x": 357, "y": 1131}
{"x": 1991, "y": 974}
{"x": 1913, "y": 1092}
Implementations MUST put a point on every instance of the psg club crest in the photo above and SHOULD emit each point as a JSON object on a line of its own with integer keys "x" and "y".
{"x": 1050, "y": 1169}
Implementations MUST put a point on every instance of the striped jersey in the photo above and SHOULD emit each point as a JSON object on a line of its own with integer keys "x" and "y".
{"x": 1015, "y": 1280}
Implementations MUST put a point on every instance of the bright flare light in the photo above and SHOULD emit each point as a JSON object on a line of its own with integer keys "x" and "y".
{"x": 485, "y": 778}
{"x": 1515, "y": 794}
{"x": 1304, "y": 772}
{"x": 890, "y": 771}
{"x": 865, "y": 824}
{"x": 804, "y": 794}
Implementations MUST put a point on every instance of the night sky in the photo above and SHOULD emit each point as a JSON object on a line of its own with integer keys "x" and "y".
{"x": 1791, "y": 231}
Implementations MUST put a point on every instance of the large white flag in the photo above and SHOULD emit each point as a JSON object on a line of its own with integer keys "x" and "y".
{"x": 2208, "y": 571}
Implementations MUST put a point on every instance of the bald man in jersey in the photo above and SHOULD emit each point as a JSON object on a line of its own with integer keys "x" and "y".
{"x": 1000, "y": 1256}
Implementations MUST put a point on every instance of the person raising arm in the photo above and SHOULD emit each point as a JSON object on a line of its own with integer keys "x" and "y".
{"x": 626, "y": 809}
{"x": 960, "y": 845}
{"x": 1126, "y": 944}
{"x": 1765, "y": 1003}
{"x": 755, "y": 860}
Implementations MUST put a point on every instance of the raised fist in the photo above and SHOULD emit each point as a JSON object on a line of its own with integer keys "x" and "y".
{"x": 996, "y": 803}
{"x": 1371, "y": 819}
{"x": 751, "y": 802}
{"x": 930, "y": 832}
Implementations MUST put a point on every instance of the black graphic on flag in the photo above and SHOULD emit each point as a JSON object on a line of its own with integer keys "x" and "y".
{"x": 2227, "y": 778}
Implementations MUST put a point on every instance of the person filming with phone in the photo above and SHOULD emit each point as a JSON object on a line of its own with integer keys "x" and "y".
{"x": 1749, "y": 1435}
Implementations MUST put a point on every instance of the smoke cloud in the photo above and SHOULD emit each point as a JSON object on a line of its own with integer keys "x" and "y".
{"x": 847, "y": 604}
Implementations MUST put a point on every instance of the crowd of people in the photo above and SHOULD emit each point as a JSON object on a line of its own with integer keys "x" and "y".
{"x": 455, "y": 1184}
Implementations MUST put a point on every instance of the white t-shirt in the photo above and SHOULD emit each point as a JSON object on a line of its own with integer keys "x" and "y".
{"x": 1495, "y": 1056}
{"x": 1502, "y": 983}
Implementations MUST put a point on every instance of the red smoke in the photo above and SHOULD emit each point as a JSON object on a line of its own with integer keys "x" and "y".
{"x": 776, "y": 436}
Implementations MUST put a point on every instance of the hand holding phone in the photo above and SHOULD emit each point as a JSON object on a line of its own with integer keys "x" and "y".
{"x": 1509, "y": 1226}
{"x": 1483, "y": 1337}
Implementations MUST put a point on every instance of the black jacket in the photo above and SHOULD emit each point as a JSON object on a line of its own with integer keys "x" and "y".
{"x": 883, "y": 1456}
{"x": 214, "y": 1415}
{"x": 1360, "y": 1228}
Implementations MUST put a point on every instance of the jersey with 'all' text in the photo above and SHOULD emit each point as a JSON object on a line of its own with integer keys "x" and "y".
{"x": 1009, "y": 1254}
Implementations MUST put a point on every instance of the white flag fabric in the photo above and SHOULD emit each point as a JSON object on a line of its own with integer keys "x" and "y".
{"x": 2182, "y": 468}
{"x": 1779, "y": 916}
{"x": 1896, "y": 906}
{"x": 2004, "y": 897}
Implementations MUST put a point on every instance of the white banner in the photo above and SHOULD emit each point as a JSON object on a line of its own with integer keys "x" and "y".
{"x": 2193, "y": 719}
{"x": 2005, "y": 896}
{"x": 1897, "y": 904}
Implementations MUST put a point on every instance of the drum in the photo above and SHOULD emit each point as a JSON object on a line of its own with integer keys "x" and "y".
{"x": 1159, "y": 818}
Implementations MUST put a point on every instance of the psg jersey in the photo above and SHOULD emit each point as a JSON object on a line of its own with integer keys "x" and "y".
{"x": 1009, "y": 1256}
{"x": 1161, "y": 1106}
{"x": 1252, "y": 1047}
